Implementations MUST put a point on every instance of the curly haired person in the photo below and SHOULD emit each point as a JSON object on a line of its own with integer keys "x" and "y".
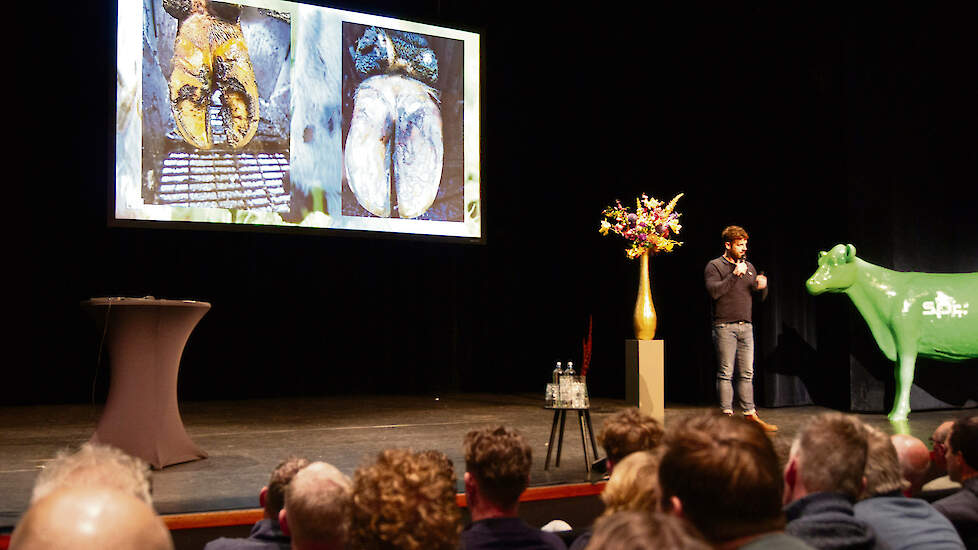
{"x": 405, "y": 500}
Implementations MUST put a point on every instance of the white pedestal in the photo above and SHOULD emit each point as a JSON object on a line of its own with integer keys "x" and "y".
{"x": 645, "y": 376}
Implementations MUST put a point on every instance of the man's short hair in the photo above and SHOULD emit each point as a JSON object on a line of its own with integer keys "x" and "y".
{"x": 95, "y": 465}
{"x": 831, "y": 452}
{"x": 964, "y": 439}
{"x": 630, "y": 529}
{"x": 733, "y": 233}
{"x": 725, "y": 473}
{"x": 317, "y": 504}
{"x": 279, "y": 480}
{"x": 499, "y": 459}
{"x": 628, "y": 431}
{"x": 634, "y": 483}
{"x": 883, "y": 473}
{"x": 405, "y": 501}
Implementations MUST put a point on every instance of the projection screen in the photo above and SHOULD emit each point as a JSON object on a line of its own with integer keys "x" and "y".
{"x": 270, "y": 113}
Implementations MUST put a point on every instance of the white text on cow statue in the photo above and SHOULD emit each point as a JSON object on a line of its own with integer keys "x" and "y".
{"x": 945, "y": 306}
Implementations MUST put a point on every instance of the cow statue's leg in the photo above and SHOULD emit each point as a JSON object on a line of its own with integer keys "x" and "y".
{"x": 906, "y": 359}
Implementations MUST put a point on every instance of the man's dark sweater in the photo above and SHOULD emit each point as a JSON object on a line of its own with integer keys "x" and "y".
{"x": 732, "y": 295}
{"x": 265, "y": 535}
{"x": 508, "y": 533}
{"x": 962, "y": 509}
{"x": 905, "y": 523}
{"x": 827, "y": 522}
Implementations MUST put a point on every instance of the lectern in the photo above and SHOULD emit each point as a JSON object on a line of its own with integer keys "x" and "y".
{"x": 145, "y": 338}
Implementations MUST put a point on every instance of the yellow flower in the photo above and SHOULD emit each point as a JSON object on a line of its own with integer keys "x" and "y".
{"x": 605, "y": 226}
{"x": 672, "y": 203}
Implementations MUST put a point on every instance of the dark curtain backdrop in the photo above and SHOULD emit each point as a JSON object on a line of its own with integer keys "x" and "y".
{"x": 809, "y": 125}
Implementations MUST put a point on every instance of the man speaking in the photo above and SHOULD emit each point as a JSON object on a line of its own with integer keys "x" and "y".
{"x": 731, "y": 282}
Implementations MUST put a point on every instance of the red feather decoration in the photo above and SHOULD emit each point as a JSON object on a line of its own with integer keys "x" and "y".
{"x": 586, "y": 355}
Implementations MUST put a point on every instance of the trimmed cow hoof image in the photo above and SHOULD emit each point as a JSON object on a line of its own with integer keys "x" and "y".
{"x": 395, "y": 137}
{"x": 395, "y": 132}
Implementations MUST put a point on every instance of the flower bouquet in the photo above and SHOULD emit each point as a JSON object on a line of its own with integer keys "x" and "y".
{"x": 648, "y": 227}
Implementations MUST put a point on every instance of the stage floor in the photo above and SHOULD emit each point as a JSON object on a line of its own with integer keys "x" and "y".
{"x": 246, "y": 439}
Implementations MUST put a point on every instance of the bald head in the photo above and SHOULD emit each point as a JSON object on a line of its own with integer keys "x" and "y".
{"x": 914, "y": 457}
{"x": 90, "y": 518}
{"x": 941, "y": 432}
{"x": 317, "y": 507}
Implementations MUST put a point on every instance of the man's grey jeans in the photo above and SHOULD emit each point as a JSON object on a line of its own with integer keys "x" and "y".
{"x": 734, "y": 343}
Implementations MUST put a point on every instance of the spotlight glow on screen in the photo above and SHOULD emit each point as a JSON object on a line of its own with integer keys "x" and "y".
{"x": 273, "y": 113}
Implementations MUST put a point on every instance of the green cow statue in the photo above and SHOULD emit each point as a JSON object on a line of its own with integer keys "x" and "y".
{"x": 908, "y": 313}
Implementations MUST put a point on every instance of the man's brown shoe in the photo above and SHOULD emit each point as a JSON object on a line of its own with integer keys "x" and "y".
{"x": 764, "y": 425}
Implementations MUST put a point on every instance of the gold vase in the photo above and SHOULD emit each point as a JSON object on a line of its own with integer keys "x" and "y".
{"x": 644, "y": 319}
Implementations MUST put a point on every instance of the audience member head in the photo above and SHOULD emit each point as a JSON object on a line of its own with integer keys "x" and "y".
{"x": 634, "y": 484}
{"x": 405, "y": 501}
{"x": 88, "y": 517}
{"x": 626, "y": 432}
{"x": 882, "y": 472}
{"x": 828, "y": 455}
{"x": 722, "y": 474}
{"x": 497, "y": 469}
{"x": 95, "y": 465}
{"x": 635, "y": 530}
{"x": 962, "y": 449}
{"x": 272, "y": 496}
{"x": 938, "y": 440}
{"x": 317, "y": 507}
{"x": 914, "y": 460}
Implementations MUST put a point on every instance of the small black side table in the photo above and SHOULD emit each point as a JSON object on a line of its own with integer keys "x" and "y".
{"x": 587, "y": 432}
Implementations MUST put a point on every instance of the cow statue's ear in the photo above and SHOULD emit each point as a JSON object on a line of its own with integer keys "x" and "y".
{"x": 850, "y": 252}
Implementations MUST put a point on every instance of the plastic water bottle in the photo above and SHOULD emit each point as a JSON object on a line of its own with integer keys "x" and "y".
{"x": 558, "y": 375}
